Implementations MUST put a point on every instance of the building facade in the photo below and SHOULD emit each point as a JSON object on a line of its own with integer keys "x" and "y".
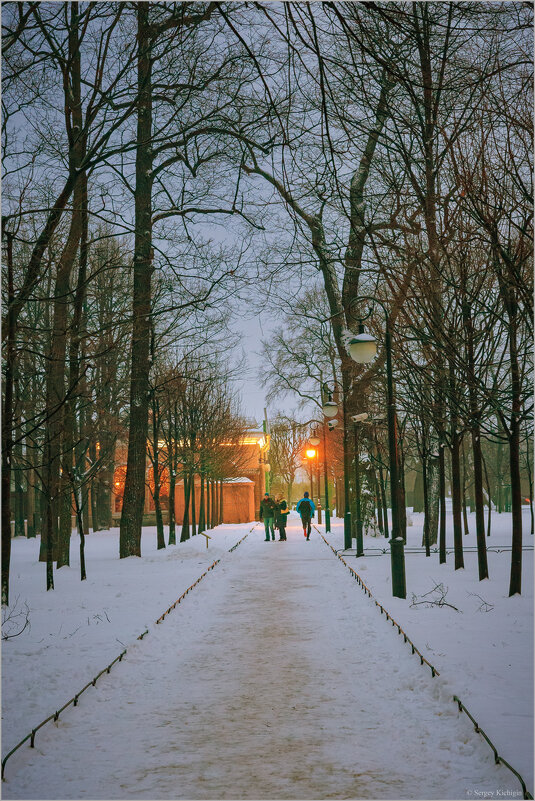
{"x": 241, "y": 495}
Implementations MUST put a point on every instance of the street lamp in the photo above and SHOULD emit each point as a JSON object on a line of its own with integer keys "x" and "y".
{"x": 362, "y": 349}
{"x": 310, "y": 453}
{"x": 330, "y": 408}
{"x": 315, "y": 441}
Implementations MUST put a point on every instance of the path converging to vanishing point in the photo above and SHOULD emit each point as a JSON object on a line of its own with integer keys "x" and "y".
{"x": 274, "y": 679}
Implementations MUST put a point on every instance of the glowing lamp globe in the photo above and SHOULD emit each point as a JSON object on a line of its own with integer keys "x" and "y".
{"x": 310, "y": 453}
{"x": 362, "y": 348}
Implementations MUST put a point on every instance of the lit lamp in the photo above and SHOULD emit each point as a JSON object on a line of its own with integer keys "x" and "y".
{"x": 310, "y": 453}
{"x": 315, "y": 441}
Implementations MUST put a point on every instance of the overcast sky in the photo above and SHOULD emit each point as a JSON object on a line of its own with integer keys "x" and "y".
{"x": 250, "y": 384}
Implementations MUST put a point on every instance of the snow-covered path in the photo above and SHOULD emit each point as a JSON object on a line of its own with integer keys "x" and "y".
{"x": 260, "y": 685}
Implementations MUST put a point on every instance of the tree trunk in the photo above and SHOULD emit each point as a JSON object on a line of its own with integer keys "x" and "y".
{"x": 81, "y": 449}
{"x": 184, "y": 535}
{"x": 442, "y": 495}
{"x": 425, "y": 533}
{"x": 382, "y": 483}
{"x": 489, "y": 495}
{"x": 134, "y": 491}
{"x": 7, "y": 422}
{"x": 202, "y": 514}
{"x": 19, "y": 490}
{"x": 193, "y": 510}
{"x": 30, "y": 504}
{"x": 456, "y": 495}
{"x": 172, "y": 493}
{"x": 377, "y": 501}
{"x": 433, "y": 484}
{"x": 214, "y": 522}
{"x": 402, "y": 501}
{"x": 530, "y": 484}
{"x": 465, "y": 512}
{"x": 65, "y": 515}
{"x": 57, "y": 488}
{"x": 221, "y": 502}
{"x": 94, "y": 506}
{"x": 515, "y": 584}
{"x": 475, "y": 433}
{"x": 160, "y": 535}
{"x": 81, "y": 531}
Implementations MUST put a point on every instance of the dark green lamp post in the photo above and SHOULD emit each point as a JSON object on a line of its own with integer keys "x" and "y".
{"x": 358, "y": 418}
{"x": 314, "y": 440}
{"x": 362, "y": 349}
{"x": 329, "y": 409}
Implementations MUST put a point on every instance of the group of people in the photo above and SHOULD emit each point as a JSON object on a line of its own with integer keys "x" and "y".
{"x": 274, "y": 513}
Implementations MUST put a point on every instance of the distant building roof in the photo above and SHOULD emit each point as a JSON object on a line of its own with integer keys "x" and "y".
{"x": 242, "y": 480}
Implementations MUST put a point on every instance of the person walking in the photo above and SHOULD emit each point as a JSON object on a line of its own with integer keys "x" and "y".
{"x": 268, "y": 507}
{"x": 281, "y": 516}
{"x": 306, "y": 509}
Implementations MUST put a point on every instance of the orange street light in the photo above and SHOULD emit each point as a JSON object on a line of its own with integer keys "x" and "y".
{"x": 310, "y": 452}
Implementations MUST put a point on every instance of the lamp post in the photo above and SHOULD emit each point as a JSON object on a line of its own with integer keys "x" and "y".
{"x": 328, "y": 404}
{"x": 310, "y": 453}
{"x": 362, "y": 349}
{"x": 358, "y": 418}
{"x": 315, "y": 441}
{"x": 319, "y": 485}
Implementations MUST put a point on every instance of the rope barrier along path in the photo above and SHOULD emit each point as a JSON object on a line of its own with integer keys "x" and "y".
{"x": 497, "y": 758}
{"x": 217, "y": 561}
{"x": 388, "y": 616}
{"x": 74, "y": 700}
{"x": 57, "y": 713}
{"x": 434, "y": 672}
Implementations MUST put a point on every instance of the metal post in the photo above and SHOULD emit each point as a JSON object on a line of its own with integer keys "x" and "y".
{"x": 360, "y": 547}
{"x": 396, "y": 543}
{"x": 327, "y": 510}
{"x": 318, "y": 480}
{"x": 348, "y": 539}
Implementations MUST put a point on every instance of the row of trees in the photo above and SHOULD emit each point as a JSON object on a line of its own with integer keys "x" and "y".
{"x": 196, "y": 430}
{"x": 112, "y": 118}
{"x": 366, "y": 149}
{"x": 434, "y": 220}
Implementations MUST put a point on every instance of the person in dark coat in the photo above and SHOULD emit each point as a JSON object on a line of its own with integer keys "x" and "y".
{"x": 268, "y": 507}
{"x": 306, "y": 508}
{"x": 281, "y": 516}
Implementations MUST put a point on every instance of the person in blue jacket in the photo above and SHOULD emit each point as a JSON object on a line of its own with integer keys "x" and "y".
{"x": 306, "y": 509}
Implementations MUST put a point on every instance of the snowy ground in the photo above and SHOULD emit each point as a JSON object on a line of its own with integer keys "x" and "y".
{"x": 275, "y": 678}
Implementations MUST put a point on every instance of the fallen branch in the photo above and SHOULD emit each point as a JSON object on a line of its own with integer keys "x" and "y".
{"x": 440, "y": 600}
